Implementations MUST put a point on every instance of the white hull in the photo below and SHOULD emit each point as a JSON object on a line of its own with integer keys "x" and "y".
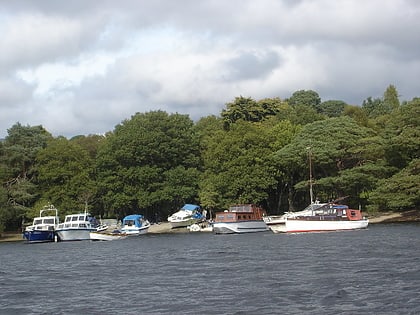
{"x": 278, "y": 227}
{"x": 200, "y": 228}
{"x": 295, "y": 226}
{"x": 183, "y": 223}
{"x": 97, "y": 236}
{"x": 133, "y": 231}
{"x": 239, "y": 227}
{"x": 74, "y": 234}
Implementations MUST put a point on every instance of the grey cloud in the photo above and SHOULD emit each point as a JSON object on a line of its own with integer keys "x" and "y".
{"x": 251, "y": 65}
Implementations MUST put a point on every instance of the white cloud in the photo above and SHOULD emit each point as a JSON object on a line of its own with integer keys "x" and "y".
{"x": 80, "y": 68}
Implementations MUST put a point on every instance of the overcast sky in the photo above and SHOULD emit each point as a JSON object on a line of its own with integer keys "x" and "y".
{"x": 82, "y": 67}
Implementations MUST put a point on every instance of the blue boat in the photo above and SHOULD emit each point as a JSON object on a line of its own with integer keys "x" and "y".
{"x": 43, "y": 227}
{"x": 135, "y": 224}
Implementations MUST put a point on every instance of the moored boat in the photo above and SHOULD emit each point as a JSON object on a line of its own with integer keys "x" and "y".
{"x": 76, "y": 227}
{"x": 188, "y": 215}
{"x": 243, "y": 218}
{"x": 325, "y": 217}
{"x": 106, "y": 236}
{"x": 318, "y": 217}
{"x": 43, "y": 227}
{"x": 135, "y": 224}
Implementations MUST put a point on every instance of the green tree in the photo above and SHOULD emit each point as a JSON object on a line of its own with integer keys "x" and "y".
{"x": 335, "y": 145}
{"x": 66, "y": 176}
{"x": 331, "y": 108}
{"x": 399, "y": 192}
{"x": 149, "y": 164}
{"x": 18, "y": 170}
{"x": 306, "y": 98}
{"x": 390, "y": 100}
{"x": 247, "y": 109}
{"x": 238, "y": 166}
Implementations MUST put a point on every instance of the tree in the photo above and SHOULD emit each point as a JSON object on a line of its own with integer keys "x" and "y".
{"x": 247, "y": 109}
{"x": 66, "y": 176}
{"x": 150, "y": 164}
{"x": 336, "y": 144}
{"x": 399, "y": 192}
{"x": 306, "y": 98}
{"x": 18, "y": 170}
{"x": 390, "y": 99}
{"x": 238, "y": 166}
{"x": 331, "y": 108}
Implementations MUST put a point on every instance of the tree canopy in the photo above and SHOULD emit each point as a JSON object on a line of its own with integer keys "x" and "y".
{"x": 255, "y": 151}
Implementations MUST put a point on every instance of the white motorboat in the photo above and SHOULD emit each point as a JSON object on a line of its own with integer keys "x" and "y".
{"x": 135, "y": 224}
{"x": 244, "y": 218}
{"x": 43, "y": 227}
{"x": 325, "y": 217}
{"x": 318, "y": 217}
{"x": 188, "y": 215}
{"x": 76, "y": 227}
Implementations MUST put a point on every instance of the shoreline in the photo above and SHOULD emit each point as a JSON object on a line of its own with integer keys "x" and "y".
{"x": 411, "y": 216}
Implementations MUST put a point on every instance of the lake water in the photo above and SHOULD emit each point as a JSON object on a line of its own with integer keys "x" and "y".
{"x": 373, "y": 271}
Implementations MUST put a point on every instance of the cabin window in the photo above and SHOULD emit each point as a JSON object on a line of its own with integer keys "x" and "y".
{"x": 37, "y": 222}
{"x": 68, "y": 219}
{"x": 82, "y": 225}
{"x": 353, "y": 213}
{"x": 82, "y": 218}
{"x": 74, "y": 218}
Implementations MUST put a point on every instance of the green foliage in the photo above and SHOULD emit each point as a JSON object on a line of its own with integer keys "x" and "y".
{"x": 238, "y": 167}
{"x": 247, "y": 109}
{"x": 307, "y": 98}
{"x": 66, "y": 175}
{"x": 18, "y": 170}
{"x": 336, "y": 144}
{"x": 399, "y": 192}
{"x": 255, "y": 151}
{"x": 331, "y": 108}
{"x": 149, "y": 163}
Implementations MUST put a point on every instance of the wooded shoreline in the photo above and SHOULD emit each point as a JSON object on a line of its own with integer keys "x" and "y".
{"x": 164, "y": 227}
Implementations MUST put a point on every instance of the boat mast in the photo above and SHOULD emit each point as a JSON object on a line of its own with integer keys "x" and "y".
{"x": 311, "y": 193}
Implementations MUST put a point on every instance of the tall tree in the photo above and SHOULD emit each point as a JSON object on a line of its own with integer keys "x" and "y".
{"x": 247, "y": 109}
{"x": 66, "y": 176}
{"x": 238, "y": 166}
{"x": 335, "y": 145}
{"x": 18, "y": 169}
{"x": 308, "y": 98}
{"x": 391, "y": 99}
{"x": 149, "y": 164}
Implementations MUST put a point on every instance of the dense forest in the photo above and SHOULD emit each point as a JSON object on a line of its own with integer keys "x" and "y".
{"x": 255, "y": 151}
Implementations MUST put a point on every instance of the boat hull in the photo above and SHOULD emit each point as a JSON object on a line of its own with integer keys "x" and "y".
{"x": 38, "y": 236}
{"x": 183, "y": 223}
{"x": 74, "y": 234}
{"x": 98, "y": 236}
{"x": 239, "y": 227}
{"x": 133, "y": 231}
{"x": 297, "y": 225}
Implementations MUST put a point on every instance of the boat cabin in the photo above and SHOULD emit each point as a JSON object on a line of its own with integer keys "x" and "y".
{"x": 243, "y": 212}
{"x": 133, "y": 220}
{"x": 333, "y": 212}
{"x": 81, "y": 220}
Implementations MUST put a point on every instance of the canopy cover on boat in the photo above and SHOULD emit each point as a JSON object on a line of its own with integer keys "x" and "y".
{"x": 190, "y": 207}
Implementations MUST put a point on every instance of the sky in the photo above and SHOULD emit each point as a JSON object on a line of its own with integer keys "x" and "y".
{"x": 82, "y": 67}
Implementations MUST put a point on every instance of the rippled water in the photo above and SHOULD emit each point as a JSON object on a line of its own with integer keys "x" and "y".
{"x": 373, "y": 271}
